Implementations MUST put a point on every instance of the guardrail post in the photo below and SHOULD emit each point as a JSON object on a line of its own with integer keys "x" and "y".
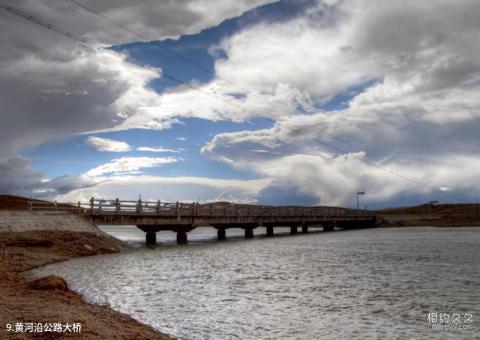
{"x": 158, "y": 207}
{"x": 92, "y": 204}
{"x": 118, "y": 206}
{"x": 55, "y": 204}
{"x": 79, "y": 205}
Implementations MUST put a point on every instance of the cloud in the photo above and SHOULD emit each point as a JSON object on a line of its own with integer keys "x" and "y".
{"x": 155, "y": 20}
{"x": 110, "y": 145}
{"x": 107, "y": 145}
{"x": 407, "y": 89}
{"x": 407, "y": 76}
{"x": 64, "y": 90}
{"x": 156, "y": 149}
{"x": 18, "y": 178}
{"x": 128, "y": 165}
{"x": 51, "y": 86}
{"x": 170, "y": 189}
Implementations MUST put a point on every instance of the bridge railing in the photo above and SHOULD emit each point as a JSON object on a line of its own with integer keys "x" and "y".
{"x": 158, "y": 208}
{"x": 99, "y": 206}
{"x": 65, "y": 206}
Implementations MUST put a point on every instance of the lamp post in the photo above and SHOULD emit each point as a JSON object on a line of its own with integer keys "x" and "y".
{"x": 358, "y": 194}
{"x": 476, "y": 209}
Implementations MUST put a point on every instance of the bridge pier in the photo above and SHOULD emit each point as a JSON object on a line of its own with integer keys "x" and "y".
{"x": 293, "y": 230}
{"x": 248, "y": 232}
{"x": 151, "y": 238}
{"x": 221, "y": 234}
{"x": 182, "y": 237}
{"x": 269, "y": 231}
{"x": 329, "y": 227}
{"x": 304, "y": 229}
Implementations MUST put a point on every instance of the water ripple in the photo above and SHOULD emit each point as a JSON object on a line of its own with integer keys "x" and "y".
{"x": 346, "y": 285}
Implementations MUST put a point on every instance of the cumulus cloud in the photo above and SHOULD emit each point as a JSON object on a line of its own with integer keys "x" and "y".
{"x": 170, "y": 189}
{"x": 110, "y": 145}
{"x": 157, "y": 149}
{"x": 405, "y": 76}
{"x": 106, "y": 144}
{"x": 416, "y": 83}
{"x": 53, "y": 87}
{"x": 17, "y": 177}
{"x": 156, "y": 20}
{"x": 128, "y": 165}
{"x": 63, "y": 90}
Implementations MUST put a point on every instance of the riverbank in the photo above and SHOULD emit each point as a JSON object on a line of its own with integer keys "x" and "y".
{"x": 24, "y": 246}
{"x": 433, "y": 215}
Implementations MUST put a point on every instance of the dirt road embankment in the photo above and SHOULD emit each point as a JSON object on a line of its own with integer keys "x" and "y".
{"x": 32, "y": 239}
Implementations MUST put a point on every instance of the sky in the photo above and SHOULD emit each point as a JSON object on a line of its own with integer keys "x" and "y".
{"x": 301, "y": 102}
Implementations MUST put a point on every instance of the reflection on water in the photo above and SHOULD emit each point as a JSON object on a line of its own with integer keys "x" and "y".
{"x": 375, "y": 283}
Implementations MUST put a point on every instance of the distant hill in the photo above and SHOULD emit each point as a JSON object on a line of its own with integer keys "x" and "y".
{"x": 10, "y": 202}
{"x": 432, "y": 214}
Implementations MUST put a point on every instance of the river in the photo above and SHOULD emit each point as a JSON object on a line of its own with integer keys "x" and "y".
{"x": 384, "y": 283}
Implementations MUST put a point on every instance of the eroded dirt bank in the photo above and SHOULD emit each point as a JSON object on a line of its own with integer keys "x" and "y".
{"x": 24, "y": 250}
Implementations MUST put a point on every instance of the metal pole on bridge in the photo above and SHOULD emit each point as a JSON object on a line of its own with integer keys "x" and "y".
{"x": 139, "y": 206}
{"x": 117, "y": 205}
{"x": 358, "y": 204}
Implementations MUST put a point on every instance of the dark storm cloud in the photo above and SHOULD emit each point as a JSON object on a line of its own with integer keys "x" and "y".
{"x": 156, "y": 20}
{"x": 18, "y": 178}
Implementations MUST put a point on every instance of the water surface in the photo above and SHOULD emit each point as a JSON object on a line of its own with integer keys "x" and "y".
{"x": 372, "y": 283}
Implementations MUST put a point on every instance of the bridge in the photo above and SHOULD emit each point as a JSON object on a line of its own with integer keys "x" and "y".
{"x": 154, "y": 216}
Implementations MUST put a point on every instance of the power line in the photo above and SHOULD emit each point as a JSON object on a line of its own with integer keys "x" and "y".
{"x": 87, "y": 42}
{"x": 374, "y": 164}
{"x": 54, "y": 28}
{"x": 141, "y": 36}
{"x": 147, "y": 39}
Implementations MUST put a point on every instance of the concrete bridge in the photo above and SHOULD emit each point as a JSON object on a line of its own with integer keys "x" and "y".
{"x": 152, "y": 217}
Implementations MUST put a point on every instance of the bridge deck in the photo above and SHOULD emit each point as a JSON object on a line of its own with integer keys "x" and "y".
{"x": 152, "y": 217}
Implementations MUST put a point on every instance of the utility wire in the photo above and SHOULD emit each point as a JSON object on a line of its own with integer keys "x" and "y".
{"x": 147, "y": 39}
{"x": 376, "y": 165}
{"x": 82, "y": 40}
{"x": 54, "y": 28}
{"x": 87, "y": 42}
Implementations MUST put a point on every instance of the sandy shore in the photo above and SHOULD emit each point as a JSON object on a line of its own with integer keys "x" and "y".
{"x": 24, "y": 250}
